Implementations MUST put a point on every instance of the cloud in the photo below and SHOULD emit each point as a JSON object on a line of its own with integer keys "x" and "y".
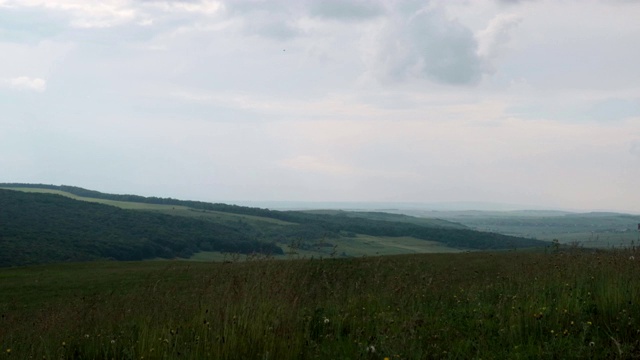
{"x": 346, "y": 10}
{"x": 26, "y": 83}
{"x": 493, "y": 38}
{"x": 273, "y": 19}
{"x": 512, "y": 1}
{"x": 271, "y": 27}
{"x": 426, "y": 44}
{"x": 111, "y": 13}
{"x": 84, "y": 14}
{"x": 613, "y": 109}
{"x": 634, "y": 148}
{"x": 191, "y": 6}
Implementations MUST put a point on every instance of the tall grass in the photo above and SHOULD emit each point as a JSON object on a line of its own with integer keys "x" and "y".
{"x": 478, "y": 305}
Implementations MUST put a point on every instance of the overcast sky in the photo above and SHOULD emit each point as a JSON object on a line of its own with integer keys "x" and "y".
{"x": 527, "y": 102}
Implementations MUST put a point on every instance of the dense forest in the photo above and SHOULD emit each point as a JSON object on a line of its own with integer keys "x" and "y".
{"x": 36, "y": 227}
{"x": 40, "y": 228}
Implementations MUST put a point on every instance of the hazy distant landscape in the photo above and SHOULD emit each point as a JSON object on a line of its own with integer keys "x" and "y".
{"x": 129, "y": 276}
{"x": 319, "y": 179}
{"x": 292, "y": 284}
{"x": 130, "y": 227}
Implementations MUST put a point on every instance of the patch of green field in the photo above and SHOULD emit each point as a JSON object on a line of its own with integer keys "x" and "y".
{"x": 289, "y": 254}
{"x": 121, "y": 204}
{"x": 509, "y": 305}
{"x": 358, "y": 246}
{"x": 602, "y": 240}
{"x": 364, "y": 245}
{"x": 220, "y": 216}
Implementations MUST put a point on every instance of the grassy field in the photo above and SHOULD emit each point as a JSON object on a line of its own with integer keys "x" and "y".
{"x": 121, "y": 204}
{"x": 358, "y": 246}
{"x": 516, "y": 305}
{"x": 363, "y": 245}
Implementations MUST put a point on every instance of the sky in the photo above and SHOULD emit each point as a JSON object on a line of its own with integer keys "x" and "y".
{"x": 535, "y": 103}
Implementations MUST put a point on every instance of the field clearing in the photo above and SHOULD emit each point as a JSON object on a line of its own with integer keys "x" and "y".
{"x": 219, "y": 216}
{"x": 121, "y": 204}
{"x": 289, "y": 254}
{"x": 602, "y": 240}
{"x": 558, "y": 305}
{"x": 365, "y": 245}
{"x": 358, "y": 246}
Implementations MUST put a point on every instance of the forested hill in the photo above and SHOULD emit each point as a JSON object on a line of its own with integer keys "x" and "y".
{"x": 77, "y": 230}
{"x": 290, "y": 216}
{"x": 78, "y": 191}
{"x": 40, "y": 228}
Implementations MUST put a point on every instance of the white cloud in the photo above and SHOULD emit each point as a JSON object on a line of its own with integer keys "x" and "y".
{"x": 26, "y": 83}
{"x": 493, "y": 38}
{"x": 203, "y": 7}
{"x": 110, "y": 13}
{"x": 85, "y": 14}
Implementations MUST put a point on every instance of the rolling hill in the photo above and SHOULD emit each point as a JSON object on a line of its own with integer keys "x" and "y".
{"x": 47, "y": 223}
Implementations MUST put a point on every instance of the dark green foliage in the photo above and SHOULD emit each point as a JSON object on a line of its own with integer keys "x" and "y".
{"x": 461, "y": 238}
{"x": 384, "y": 216}
{"x": 38, "y": 228}
{"x": 306, "y": 227}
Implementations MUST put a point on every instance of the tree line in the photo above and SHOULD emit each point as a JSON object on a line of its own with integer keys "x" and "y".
{"x": 39, "y": 228}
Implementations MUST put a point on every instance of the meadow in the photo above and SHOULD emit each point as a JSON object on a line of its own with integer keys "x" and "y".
{"x": 558, "y": 304}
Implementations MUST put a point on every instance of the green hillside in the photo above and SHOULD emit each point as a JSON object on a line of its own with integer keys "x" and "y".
{"x": 40, "y": 228}
{"x": 377, "y": 215}
{"x": 595, "y": 229}
{"x": 39, "y": 224}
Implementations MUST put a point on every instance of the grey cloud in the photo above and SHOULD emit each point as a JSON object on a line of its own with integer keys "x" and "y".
{"x": 271, "y": 28}
{"x": 243, "y": 7}
{"x": 513, "y": 1}
{"x": 273, "y": 19}
{"x": 614, "y": 109}
{"x": 346, "y": 10}
{"x": 169, "y": 1}
{"x": 431, "y": 46}
{"x": 634, "y": 148}
{"x": 277, "y": 19}
{"x": 26, "y": 25}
